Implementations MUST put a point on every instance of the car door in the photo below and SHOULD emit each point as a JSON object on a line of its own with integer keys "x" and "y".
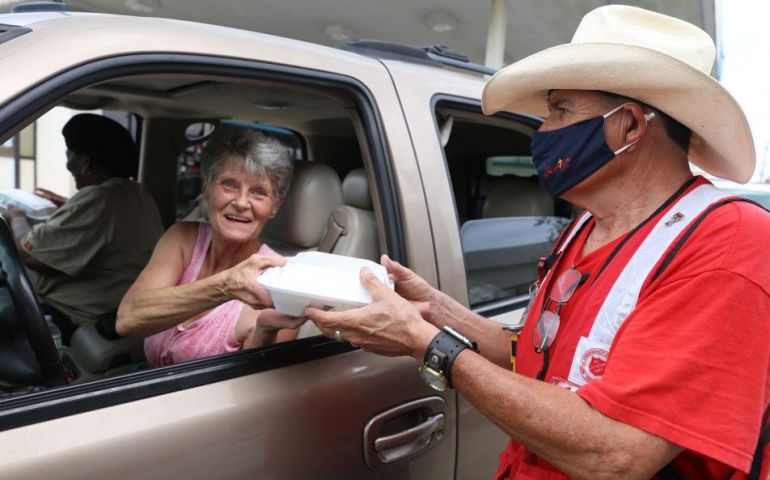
{"x": 309, "y": 408}
{"x": 444, "y": 114}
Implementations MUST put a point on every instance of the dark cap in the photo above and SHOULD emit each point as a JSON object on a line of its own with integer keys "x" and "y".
{"x": 104, "y": 140}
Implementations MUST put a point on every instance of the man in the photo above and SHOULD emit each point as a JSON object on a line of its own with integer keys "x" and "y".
{"x": 85, "y": 256}
{"x": 645, "y": 348}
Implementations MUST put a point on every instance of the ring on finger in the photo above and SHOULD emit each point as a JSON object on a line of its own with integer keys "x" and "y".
{"x": 338, "y": 335}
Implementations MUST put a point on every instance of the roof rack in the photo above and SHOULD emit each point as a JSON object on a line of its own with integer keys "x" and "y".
{"x": 44, "y": 6}
{"x": 433, "y": 55}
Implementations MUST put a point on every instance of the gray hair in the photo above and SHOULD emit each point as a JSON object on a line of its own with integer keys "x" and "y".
{"x": 263, "y": 156}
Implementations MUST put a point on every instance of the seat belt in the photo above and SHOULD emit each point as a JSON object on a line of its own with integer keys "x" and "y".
{"x": 331, "y": 235}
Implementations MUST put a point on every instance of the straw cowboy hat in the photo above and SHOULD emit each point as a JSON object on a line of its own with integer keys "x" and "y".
{"x": 656, "y": 59}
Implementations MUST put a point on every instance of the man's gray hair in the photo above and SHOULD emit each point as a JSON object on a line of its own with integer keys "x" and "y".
{"x": 263, "y": 156}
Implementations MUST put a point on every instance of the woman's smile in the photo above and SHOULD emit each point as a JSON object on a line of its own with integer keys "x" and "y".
{"x": 237, "y": 218}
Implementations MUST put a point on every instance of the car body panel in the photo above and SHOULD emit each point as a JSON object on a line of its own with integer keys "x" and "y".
{"x": 234, "y": 424}
{"x": 70, "y": 36}
{"x": 268, "y": 425}
{"x": 282, "y": 421}
{"x": 418, "y": 101}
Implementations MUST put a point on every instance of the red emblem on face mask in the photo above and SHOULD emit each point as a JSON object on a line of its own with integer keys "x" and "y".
{"x": 27, "y": 246}
{"x": 561, "y": 164}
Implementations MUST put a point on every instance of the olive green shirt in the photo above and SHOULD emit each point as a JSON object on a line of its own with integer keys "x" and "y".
{"x": 98, "y": 241}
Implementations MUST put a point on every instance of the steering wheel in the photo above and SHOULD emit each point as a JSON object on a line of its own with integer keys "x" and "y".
{"x": 30, "y": 319}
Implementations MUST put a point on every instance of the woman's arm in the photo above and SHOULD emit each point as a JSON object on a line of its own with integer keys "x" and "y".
{"x": 155, "y": 302}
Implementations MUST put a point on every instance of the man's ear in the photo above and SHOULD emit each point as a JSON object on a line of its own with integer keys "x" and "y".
{"x": 634, "y": 124}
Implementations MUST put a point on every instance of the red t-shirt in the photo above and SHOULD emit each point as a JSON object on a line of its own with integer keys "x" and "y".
{"x": 690, "y": 363}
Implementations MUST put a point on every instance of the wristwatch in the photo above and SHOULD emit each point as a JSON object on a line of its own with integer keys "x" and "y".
{"x": 440, "y": 356}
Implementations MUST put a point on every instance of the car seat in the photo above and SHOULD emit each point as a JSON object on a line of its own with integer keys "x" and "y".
{"x": 512, "y": 196}
{"x": 300, "y": 223}
{"x": 502, "y": 248}
{"x": 352, "y": 228}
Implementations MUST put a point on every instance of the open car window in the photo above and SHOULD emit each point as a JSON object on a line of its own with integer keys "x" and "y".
{"x": 171, "y": 116}
{"x": 507, "y": 221}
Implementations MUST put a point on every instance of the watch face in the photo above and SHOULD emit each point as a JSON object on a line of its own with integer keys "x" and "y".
{"x": 435, "y": 379}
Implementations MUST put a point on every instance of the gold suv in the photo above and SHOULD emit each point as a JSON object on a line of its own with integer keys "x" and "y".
{"x": 412, "y": 169}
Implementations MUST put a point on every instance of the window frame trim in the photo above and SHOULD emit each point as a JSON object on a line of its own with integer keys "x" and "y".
{"x": 80, "y": 398}
{"x": 515, "y": 302}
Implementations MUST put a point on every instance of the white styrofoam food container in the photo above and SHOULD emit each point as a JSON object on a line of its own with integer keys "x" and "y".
{"x": 36, "y": 208}
{"x": 320, "y": 280}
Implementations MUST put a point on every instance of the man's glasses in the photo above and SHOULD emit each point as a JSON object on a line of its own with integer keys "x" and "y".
{"x": 548, "y": 324}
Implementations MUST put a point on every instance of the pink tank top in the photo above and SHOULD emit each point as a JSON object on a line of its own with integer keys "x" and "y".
{"x": 213, "y": 333}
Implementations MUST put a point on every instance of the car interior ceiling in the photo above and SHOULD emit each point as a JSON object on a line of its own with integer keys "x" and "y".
{"x": 168, "y": 104}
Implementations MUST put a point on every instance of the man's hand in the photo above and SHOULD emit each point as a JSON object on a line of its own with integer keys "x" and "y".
{"x": 390, "y": 325}
{"x": 410, "y": 286}
{"x": 55, "y": 198}
{"x": 13, "y": 212}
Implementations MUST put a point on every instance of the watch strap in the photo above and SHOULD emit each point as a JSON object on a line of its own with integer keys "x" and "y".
{"x": 442, "y": 352}
{"x": 459, "y": 336}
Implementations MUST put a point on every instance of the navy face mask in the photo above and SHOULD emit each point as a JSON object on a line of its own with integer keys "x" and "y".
{"x": 566, "y": 156}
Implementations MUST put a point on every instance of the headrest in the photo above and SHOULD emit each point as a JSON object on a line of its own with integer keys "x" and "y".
{"x": 512, "y": 196}
{"x": 315, "y": 193}
{"x": 355, "y": 190}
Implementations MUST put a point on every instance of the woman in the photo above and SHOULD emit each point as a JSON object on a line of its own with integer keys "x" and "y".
{"x": 198, "y": 295}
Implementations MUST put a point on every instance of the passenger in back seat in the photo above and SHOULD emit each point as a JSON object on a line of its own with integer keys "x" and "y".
{"x": 196, "y": 296}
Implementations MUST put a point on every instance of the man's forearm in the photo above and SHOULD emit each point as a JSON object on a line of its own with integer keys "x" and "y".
{"x": 558, "y": 425}
{"x": 493, "y": 341}
{"x": 20, "y": 227}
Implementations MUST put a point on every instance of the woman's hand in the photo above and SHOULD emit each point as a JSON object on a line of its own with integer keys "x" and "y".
{"x": 390, "y": 325}
{"x": 270, "y": 321}
{"x": 266, "y": 328}
{"x": 241, "y": 281}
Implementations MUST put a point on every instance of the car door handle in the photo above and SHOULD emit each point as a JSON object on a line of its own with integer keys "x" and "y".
{"x": 404, "y": 431}
{"x": 392, "y": 448}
